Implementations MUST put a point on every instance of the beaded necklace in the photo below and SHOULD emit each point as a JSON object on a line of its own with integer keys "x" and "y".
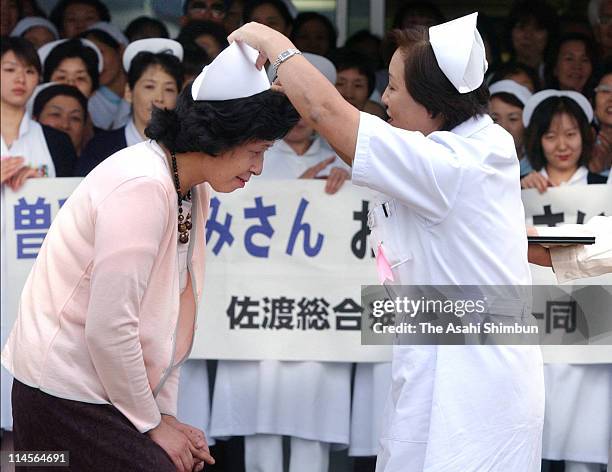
{"x": 184, "y": 223}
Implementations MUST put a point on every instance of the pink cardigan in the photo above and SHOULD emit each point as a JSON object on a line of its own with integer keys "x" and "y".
{"x": 101, "y": 319}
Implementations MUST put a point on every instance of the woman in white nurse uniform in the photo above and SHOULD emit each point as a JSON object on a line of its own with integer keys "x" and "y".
{"x": 453, "y": 217}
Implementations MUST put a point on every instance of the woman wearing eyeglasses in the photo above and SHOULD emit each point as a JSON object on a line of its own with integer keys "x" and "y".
{"x": 203, "y": 10}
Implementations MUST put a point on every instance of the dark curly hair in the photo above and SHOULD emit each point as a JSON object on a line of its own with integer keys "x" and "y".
{"x": 213, "y": 127}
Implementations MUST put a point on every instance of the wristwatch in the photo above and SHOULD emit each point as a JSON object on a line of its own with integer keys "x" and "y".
{"x": 282, "y": 57}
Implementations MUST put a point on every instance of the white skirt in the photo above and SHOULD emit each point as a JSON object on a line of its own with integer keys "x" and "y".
{"x": 370, "y": 392}
{"x": 464, "y": 408}
{"x": 309, "y": 400}
{"x": 578, "y": 416}
{"x": 194, "y": 397}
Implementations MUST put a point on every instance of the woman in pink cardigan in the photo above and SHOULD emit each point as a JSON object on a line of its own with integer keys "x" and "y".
{"x": 108, "y": 311}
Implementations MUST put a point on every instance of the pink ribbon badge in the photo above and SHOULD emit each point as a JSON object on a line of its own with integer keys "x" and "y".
{"x": 383, "y": 267}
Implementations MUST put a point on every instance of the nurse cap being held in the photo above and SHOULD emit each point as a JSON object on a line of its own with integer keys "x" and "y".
{"x": 453, "y": 216}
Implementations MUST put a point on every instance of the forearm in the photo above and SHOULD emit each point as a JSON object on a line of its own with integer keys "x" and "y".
{"x": 320, "y": 104}
{"x": 167, "y": 397}
{"x": 116, "y": 353}
{"x": 314, "y": 97}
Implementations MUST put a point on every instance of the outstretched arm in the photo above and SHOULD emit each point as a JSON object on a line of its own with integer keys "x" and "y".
{"x": 314, "y": 97}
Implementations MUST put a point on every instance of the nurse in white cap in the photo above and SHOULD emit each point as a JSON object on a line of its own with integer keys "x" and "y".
{"x": 578, "y": 415}
{"x": 508, "y": 98}
{"x": 453, "y": 216}
{"x": 39, "y": 31}
{"x": 155, "y": 78}
{"x": 76, "y": 62}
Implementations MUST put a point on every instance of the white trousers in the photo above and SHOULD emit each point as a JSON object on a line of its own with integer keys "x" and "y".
{"x": 264, "y": 453}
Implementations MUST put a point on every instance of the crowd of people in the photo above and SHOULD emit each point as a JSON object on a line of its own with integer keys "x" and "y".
{"x": 76, "y": 90}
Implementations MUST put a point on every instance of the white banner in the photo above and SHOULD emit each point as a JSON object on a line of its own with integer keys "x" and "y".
{"x": 285, "y": 265}
{"x": 285, "y": 274}
{"x": 284, "y": 269}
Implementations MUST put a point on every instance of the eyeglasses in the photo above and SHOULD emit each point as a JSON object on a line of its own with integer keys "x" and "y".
{"x": 216, "y": 9}
{"x": 603, "y": 88}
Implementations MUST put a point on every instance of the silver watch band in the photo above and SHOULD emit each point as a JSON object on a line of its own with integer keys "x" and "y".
{"x": 282, "y": 57}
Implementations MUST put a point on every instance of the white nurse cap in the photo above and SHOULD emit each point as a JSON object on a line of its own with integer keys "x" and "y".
{"x": 539, "y": 97}
{"x": 460, "y": 52}
{"x": 45, "y": 50}
{"x": 231, "y": 75}
{"x": 32, "y": 21}
{"x": 111, "y": 30}
{"x": 154, "y": 45}
{"x": 513, "y": 88}
{"x": 323, "y": 65}
{"x": 39, "y": 88}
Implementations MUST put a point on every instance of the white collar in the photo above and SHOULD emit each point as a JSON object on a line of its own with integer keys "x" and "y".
{"x": 132, "y": 135}
{"x": 315, "y": 147}
{"x": 472, "y": 125}
{"x": 24, "y": 126}
{"x": 578, "y": 177}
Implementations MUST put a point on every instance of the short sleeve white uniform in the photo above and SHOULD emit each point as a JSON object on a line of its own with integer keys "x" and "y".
{"x": 454, "y": 216}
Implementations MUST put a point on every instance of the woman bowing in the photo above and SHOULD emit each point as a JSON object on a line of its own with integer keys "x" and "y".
{"x": 107, "y": 314}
